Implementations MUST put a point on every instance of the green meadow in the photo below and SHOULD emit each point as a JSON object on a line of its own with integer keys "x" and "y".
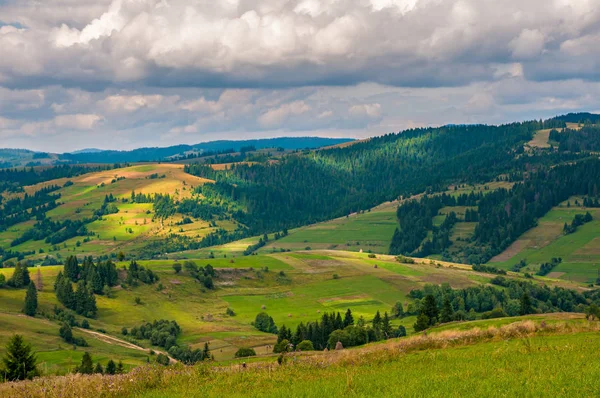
{"x": 580, "y": 251}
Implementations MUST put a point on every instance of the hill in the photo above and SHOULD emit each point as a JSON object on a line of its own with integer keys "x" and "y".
{"x": 23, "y": 157}
{"x": 541, "y": 354}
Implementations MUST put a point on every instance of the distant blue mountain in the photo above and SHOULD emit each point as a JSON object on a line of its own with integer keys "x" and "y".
{"x": 159, "y": 154}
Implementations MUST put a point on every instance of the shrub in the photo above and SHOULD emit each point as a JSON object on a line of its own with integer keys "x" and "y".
{"x": 163, "y": 359}
{"x": 245, "y": 352}
{"x": 305, "y": 345}
{"x": 230, "y": 312}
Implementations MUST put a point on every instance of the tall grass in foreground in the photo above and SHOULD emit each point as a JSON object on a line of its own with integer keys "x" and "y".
{"x": 525, "y": 358}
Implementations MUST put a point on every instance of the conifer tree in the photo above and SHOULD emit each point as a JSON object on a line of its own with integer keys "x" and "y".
{"x": 72, "y": 268}
{"x": 377, "y": 321}
{"x": 386, "y": 327}
{"x": 348, "y": 318}
{"x": 447, "y": 311}
{"x": 430, "y": 309}
{"x": 526, "y": 306}
{"x": 19, "y": 362}
{"x": 87, "y": 366}
{"x": 31, "y": 302}
{"x": 422, "y": 322}
{"x": 111, "y": 367}
{"x": 120, "y": 368}
{"x": 99, "y": 369}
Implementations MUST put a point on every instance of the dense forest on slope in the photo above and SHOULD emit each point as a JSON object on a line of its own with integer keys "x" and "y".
{"x": 14, "y": 179}
{"x": 585, "y": 139}
{"x": 324, "y": 184}
{"x": 502, "y": 215}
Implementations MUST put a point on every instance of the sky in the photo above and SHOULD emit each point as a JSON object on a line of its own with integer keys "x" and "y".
{"x": 122, "y": 74}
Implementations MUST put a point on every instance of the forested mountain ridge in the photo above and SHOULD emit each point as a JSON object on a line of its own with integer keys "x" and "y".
{"x": 324, "y": 184}
{"x": 22, "y": 157}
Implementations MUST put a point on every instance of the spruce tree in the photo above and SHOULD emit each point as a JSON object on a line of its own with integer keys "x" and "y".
{"x": 377, "y": 321}
{"x": 87, "y": 366}
{"x": 430, "y": 309}
{"x": 447, "y": 311}
{"x": 20, "y": 277}
{"x": 98, "y": 368}
{"x": 72, "y": 268}
{"x": 111, "y": 367}
{"x": 526, "y": 306}
{"x": 422, "y": 322}
{"x": 206, "y": 351}
{"x": 31, "y": 302}
{"x": 120, "y": 368}
{"x": 19, "y": 362}
{"x": 386, "y": 327}
{"x": 348, "y": 318}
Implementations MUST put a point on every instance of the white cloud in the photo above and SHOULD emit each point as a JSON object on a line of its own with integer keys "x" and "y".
{"x": 77, "y": 122}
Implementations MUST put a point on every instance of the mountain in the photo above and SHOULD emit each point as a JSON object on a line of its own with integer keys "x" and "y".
{"x": 161, "y": 154}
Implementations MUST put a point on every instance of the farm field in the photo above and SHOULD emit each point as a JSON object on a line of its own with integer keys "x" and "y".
{"x": 291, "y": 287}
{"x": 366, "y": 231}
{"x": 579, "y": 251}
{"x": 133, "y": 227}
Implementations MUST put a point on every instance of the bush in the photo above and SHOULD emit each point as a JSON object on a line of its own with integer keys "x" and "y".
{"x": 305, "y": 345}
{"x": 245, "y": 352}
{"x": 162, "y": 359}
{"x": 85, "y": 324}
{"x": 230, "y": 312}
{"x": 282, "y": 346}
{"x": 265, "y": 323}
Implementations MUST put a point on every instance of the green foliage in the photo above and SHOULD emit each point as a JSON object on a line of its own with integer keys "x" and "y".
{"x": 20, "y": 277}
{"x": 265, "y": 323}
{"x": 245, "y": 352}
{"x": 19, "y": 362}
{"x": 31, "y": 301}
{"x": 86, "y": 366}
{"x": 423, "y": 322}
{"x": 305, "y": 345}
{"x": 163, "y": 359}
{"x": 111, "y": 367}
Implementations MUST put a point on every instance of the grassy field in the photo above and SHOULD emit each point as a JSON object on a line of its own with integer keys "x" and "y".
{"x": 291, "y": 287}
{"x": 128, "y": 230}
{"x": 367, "y": 231}
{"x": 54, "y": 355}
{"x": 518, "y": 358}
{"x": 579, "y": 251}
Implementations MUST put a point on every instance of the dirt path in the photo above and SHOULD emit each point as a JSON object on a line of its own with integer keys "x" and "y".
{"x": 115, "y": 341}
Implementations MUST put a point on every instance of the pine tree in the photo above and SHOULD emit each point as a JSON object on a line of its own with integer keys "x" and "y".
{"x": 398, "y": 310}
{"x": 87, "y": 366}
{"x": 430, "y": 309}
{"x": 31, "y": 302}
{"x": 282, "y": 335}
{"x": 447, "y": 311}
{"x": 386, "y": 327}
{"x": 120, "y": 368}
{"x": 348, "y": 318}
{"x": 206, "y": 351}
{"x": 19, "y": 361}
{"x": 377, "y": 321}
{"x": 526, "y": 306}
{"x": 111, "y": 367}
{"x": 422, "y": 322}
{"x": 98, "y": 368}
{"x": 20, "y": 277}
{"x": 72, "y": 268}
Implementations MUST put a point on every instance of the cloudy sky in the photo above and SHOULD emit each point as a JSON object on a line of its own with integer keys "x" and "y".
{"x": 128, "y": 73}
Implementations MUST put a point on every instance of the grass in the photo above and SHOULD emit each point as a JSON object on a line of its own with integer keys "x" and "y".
{"x": 368, "y": 231}
{"x": 579, "y": 251}
{"x": 54, "y": 355}
{"x": 128, "y": 230}
{"x": 523, "y": 358}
